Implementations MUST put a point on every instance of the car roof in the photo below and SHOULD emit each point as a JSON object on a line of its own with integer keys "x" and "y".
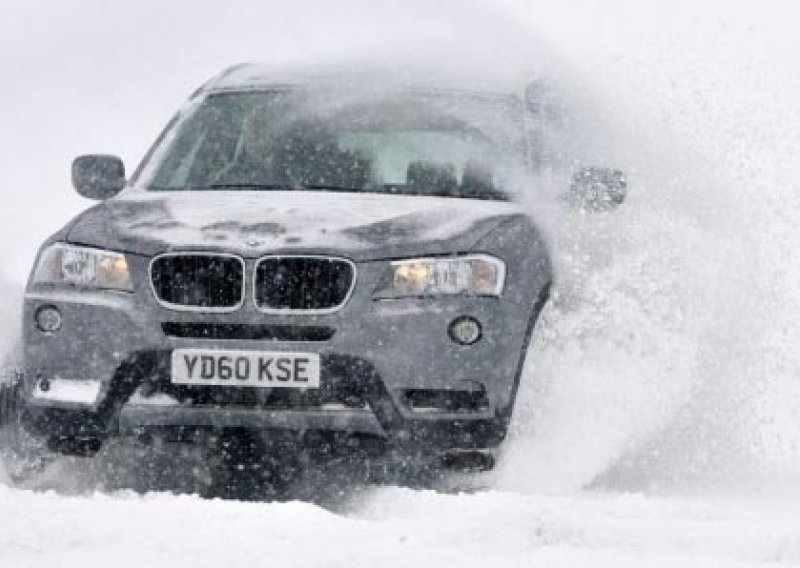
{"x": 251, "y": 76}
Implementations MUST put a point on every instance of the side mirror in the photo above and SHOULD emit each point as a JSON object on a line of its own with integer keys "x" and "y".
{"x": 98, "y": 176}
{"x": 598, "y": 188}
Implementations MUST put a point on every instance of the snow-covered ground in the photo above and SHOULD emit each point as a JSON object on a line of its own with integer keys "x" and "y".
{"x": 396, "y": 527}
{"x": 659, "y": 422}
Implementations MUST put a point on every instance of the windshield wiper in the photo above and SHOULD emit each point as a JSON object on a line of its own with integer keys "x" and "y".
{"x": 321, "y": 187}
{"x": 272, "y": 187}
{"x": 261, "y": 186}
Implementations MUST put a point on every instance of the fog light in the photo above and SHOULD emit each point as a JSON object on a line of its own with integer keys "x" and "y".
{"x": 465, "y": 330}
{"x": 48, "y": 319}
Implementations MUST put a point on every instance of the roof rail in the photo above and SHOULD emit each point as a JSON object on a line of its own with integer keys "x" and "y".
{"x": 217, "y": 78}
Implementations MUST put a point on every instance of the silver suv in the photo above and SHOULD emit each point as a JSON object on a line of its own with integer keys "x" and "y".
{"x": 298, "y": 257}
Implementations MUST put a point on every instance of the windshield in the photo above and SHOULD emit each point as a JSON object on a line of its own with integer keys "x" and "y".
{"x": 412, "y": 143}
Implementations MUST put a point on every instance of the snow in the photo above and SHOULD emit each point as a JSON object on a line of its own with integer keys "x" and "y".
{"x": 395, "y": 527}
{"x": 302, "y": 219}
{"x": 658, "y": 424}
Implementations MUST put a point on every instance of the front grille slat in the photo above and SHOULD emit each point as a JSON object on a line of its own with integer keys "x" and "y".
{"x": 303, "y": 283}
{"x": 194, "y": 281}
{"x": 247, "y": 332}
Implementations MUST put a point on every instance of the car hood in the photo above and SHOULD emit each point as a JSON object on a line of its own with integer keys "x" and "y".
{"x": 359, "y": 226}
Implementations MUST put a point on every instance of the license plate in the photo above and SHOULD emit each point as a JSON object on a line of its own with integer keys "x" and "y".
{"x": 245, "y": 368}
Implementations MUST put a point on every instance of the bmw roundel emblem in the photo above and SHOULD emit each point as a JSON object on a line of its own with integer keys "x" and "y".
{"x": 254, "y": 241}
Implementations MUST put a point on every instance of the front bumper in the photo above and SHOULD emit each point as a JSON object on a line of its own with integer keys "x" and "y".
{"x": 377, "y": 357}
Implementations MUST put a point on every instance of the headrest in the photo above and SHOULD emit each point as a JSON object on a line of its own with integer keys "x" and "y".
{"x": 432, "y": 178}
{"x": 477, "y": 179}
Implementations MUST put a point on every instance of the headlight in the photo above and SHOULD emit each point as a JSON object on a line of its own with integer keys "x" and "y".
{"x": 477, "y": 275}
{"x": 85, "y": 267}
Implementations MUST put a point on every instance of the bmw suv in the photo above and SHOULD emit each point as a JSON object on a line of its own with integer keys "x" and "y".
{"x": 298, "y": 257}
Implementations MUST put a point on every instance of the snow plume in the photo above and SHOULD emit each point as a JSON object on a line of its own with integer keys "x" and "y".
{"x": 10, "y": 307}
{"x": 638, "y": 326}
{"x": 668, "y": 356}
